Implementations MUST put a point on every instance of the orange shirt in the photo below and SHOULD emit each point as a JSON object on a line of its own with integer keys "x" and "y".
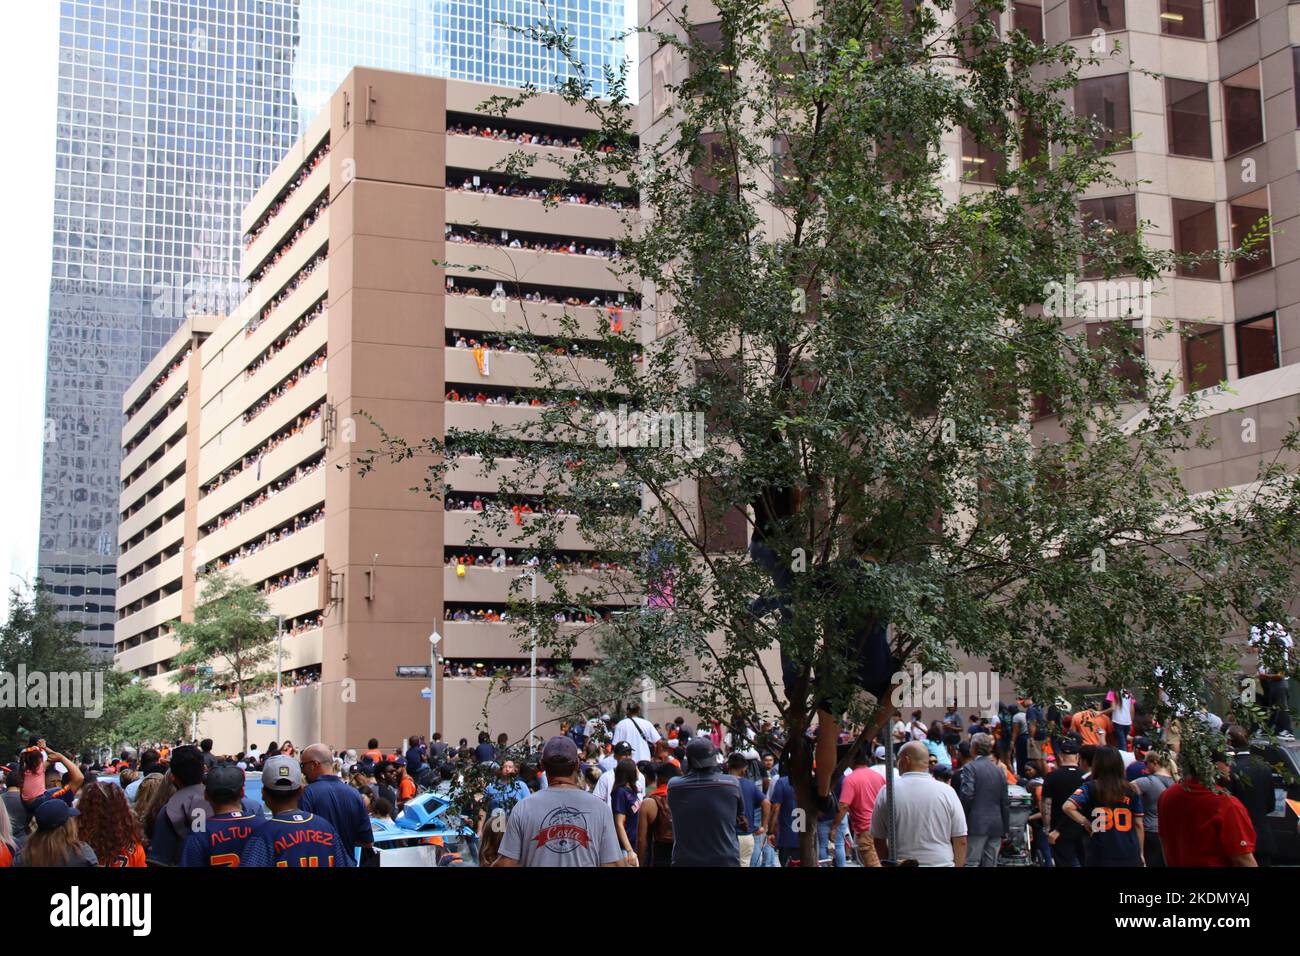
{"x": 406, "y": 788}
{"x": 133, "y": 859}
{"x": 1092, "y": 726}
{"x": 6, "y": 856}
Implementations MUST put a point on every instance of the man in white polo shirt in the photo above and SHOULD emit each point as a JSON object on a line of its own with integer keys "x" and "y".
{"x": 928, "y": 818}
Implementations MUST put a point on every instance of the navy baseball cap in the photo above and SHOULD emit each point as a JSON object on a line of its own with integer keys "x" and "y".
{"x": 52, "y": 814}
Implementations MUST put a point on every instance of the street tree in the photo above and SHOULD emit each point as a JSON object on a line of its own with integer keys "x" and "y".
{"x": 224, "y": 649}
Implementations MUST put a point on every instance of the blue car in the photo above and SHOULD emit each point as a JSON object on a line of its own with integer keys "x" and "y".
{"x": 421, "y": 835}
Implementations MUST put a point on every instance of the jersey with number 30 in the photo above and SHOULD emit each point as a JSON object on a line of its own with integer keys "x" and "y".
{"x": 222, "y": 842}
{"x": 1112, "y": 836}
{"x": 295, "y": 838}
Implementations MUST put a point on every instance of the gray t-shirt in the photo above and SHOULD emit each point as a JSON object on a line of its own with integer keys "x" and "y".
{"x": 1151, "y": 785}
{"x": 561, "y": 826}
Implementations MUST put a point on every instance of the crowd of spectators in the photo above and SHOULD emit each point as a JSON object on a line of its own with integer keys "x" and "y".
{"x": 317, "y": 361}
{"x": 314, "y": 160}
{"x": 271, "y": 537}
{"x": 302, "y": 275}
{"x": 254, "y": 458}
{"x": 576, "y": 247}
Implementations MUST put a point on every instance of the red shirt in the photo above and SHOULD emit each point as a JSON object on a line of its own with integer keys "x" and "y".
{"x": 1199, "y": 827}
{"x": 859, "y": 792}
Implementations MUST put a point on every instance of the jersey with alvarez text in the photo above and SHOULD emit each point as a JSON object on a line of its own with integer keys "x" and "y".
{"x": 295, "y": 838}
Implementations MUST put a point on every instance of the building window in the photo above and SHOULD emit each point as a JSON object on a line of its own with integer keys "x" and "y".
{"x": 1027, "y": 15}
{"x": 980, "y": 162}
{"x": 1182, "y": 18}
{"x": 1189, "y": 117}
{"x": 1245, "y": 213}
{"x": 1243, "y": 110}
{"x": 1104, "y": 100}
{"x": 785, "y": 171}
{"x": 1089, "y": 15}
{"x": 1204, "y": 363}
{"x": 1257, "y": 346}
{"x": 1195, "y": 233}
{"x": 967, "y": 20}
{"x": 709, "y": 39}
{"x": 1234, "y": 14}
{"x": 1128, "y": 345}
{"x": 715, "y": 166}
{"x": 1295, "y": 80}
{"x": 1114, "y": 214}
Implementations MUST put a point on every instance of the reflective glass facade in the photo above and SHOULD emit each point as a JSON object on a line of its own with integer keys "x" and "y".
{"x": 170, "y": 114}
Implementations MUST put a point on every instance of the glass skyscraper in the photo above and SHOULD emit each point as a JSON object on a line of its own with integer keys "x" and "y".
{"x": 170, "y": 114}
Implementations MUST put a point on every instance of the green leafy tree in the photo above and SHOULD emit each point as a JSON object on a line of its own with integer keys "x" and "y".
{"x": 33, "y": 640}
{"x": 226, "y": 645}
{"x": 137, "y": 715}
{"x": 902, "y": 435}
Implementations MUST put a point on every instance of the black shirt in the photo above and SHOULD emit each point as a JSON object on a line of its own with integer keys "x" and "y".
{"x": 1252, "y": 784}
{"x": 1058, "y": 787}
{"x": 704, "y": 807}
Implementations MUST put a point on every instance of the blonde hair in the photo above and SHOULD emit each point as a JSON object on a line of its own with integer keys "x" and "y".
{"x": 155, "y": 790}
{"x": 52, "y": 847}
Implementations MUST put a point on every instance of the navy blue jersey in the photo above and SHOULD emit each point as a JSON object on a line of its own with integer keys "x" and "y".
{"x": 295, "y": 838}
{"x": 1112, "y": 840}
{"x": 222, "y": 843}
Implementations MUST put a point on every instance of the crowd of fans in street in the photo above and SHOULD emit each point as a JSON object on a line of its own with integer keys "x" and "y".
{"x": 1097, "y": 792}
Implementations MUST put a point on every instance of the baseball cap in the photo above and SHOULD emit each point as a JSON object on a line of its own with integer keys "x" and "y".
{"x": 880, "y": 751}
{"x": 561, "y": 749}
{"x": 622, "y": 748}
{"x": 223, "y": 783}
{"x": 281, "y": 774}
{"x": 701, "y": 754}
{"x": 1069, "y": 746}
{"x": 52, "y": 814}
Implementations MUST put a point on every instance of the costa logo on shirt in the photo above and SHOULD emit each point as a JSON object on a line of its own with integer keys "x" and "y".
{"x": 563, "y": 830}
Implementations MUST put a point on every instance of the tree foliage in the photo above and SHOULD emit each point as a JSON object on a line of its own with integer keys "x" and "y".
{"x": 226, "y": 645}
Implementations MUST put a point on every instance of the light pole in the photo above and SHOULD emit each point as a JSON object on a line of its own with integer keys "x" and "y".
{"x": 532, "y": 665}
{"x": 279, "y": 661}
{"x": 279, "y": 675}
{"x": 434, "y": 638}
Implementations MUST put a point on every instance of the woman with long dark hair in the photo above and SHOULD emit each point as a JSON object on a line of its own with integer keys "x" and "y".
{"x": 625, "y": 801}
{"x": 110, "y": 827}
{"x": 1109, "y": 808}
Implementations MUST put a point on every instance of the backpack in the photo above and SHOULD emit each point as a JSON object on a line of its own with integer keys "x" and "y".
{"x": 662, "y": 831}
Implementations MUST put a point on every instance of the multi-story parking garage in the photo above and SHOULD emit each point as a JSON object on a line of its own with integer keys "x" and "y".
{"x": 241, "y": 434}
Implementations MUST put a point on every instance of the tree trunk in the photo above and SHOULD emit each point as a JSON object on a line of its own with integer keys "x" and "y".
{"x": 243, "y": 717}
{"x": 801, "y": 778}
